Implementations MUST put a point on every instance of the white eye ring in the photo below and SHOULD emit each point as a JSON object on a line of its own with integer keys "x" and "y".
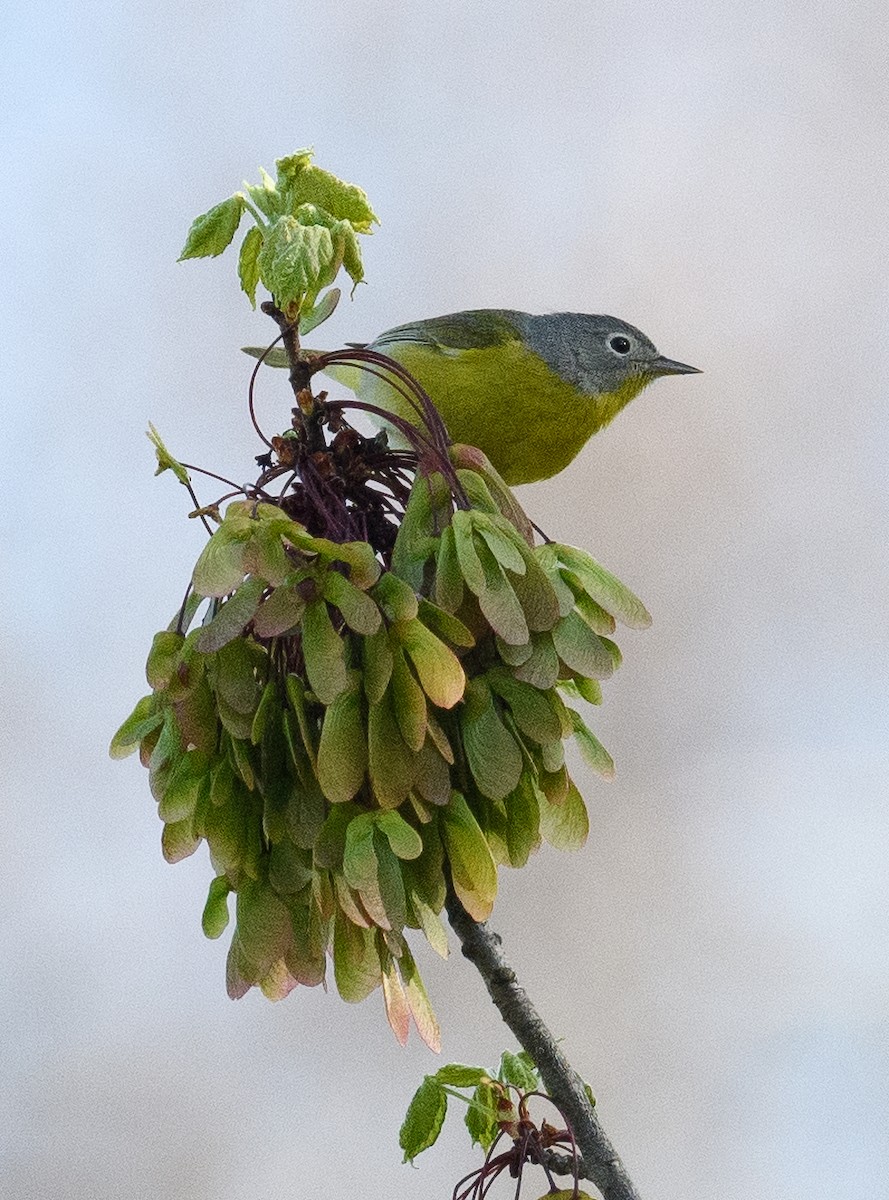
{"x": 620, "y": 344}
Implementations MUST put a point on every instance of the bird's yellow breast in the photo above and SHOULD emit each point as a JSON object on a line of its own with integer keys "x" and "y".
{"x": 504, "y": 399}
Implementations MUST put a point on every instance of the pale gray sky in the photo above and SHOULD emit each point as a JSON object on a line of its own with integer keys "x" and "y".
{"x": 715, "y": 959}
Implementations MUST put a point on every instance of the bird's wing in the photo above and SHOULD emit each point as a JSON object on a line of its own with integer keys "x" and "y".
{"x": 477, "y": 329}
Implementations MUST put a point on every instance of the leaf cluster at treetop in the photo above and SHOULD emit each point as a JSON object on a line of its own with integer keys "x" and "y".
{"x": 346, "y": 733}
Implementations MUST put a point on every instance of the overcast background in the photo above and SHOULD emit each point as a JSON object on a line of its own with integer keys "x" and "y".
{"x": 716, "y": 958}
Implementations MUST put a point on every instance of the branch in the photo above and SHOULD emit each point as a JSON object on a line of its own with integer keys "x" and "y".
{"x": 300, "y": 377}
{"x": 601, "y": 1162}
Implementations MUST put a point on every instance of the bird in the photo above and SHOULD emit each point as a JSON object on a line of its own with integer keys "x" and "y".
{"x": 528, "y": 391}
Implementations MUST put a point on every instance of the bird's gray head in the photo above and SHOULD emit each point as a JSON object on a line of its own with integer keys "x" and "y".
{"x": 598, "y": 354}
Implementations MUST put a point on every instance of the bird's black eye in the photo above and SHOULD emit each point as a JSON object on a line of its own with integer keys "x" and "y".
{"x": 620, "y": 344}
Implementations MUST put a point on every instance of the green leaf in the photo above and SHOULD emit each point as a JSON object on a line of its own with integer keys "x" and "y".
{"x": 472, "y": 865}
{"x": 552, "y": 755}
{"x": 467, "y": 551}
{"x": 522, "y": 821}
{"x": 307, "y": 958}
{"x": 447, "y": 588}
{"x": 281, "y": 611}
{"x": 263, "y": 927}
{"x": 541, "y": 669}
{"x": 613, "y": 650}
{"x": 408, "y": 702}
{"x": 352, "y": 255}
{"x": 482, "y": 1115}
{"x": 234, "y": 676}
{"x": 359, "y": 557}
{"x": 215, "y": 918}
{"x": 324, "y": 653}
{"x": 594, "y": 614}
{"x": 418, "y": 1001}
{"x": 359, "y": 859}
{"x": 398, "y": 1012}
{"x": 296, "y": 261}
{"x": 594, "y": 753}
{"x": 370, "y": 867}
{"x": 457, "y": 1075}
{"x": 499, "y": 602}
{"x": 477, "y": 492}
{"x": 416, "y": 542}
{"x": 524, "y": 1057}
{"x": 565, "y": 826}
{"x": 274, "y": 357}
{"x": 290, "y": 867}
{"x": 397, "y": 599}
{"x": 221, "y": 564}
{"x": 304, "y": 183}
{"x": 533, "y": 710}
{"x": 268, "y": 713}
{"x": 519, "y": 1071}
{"x": 296, "y": 694}
{"x": 186, "y": 613}
{"x": 163, "y": 658}
{"x": 378, "y": 661}
{"x": 504, "y": 541}
{"x": 231, "y": 617}
{"x": 305, "y": 814}
{"x": 536, "y": 593}
{"x": 179, "y": 840}
{"x": 350, "y": 902}
{"x": 165, "y": 460}
{"x": 586, "y": 689}
{"x": 580, "y": 649}
{"x": 439, "y": 738}
{"x": 143, "y": 720}
{"x": 515, "y": 656}
{"x": 312, "y": 318}
{"x": 213, "y": 231}
{"x": 248, "y": 263}
{"x": 330, "y": 846}
{"x": 470, "y": 458}
{"x": 181, "y": 793}
{"x": 603, "y": 587}
{"x": 357, "y": 608}
{"x": 424, "y": 1119}
{"x": 431, "y": 924}
{"x": 356, "y": 962}
{"x": 265, "y": 196}
{"x": 437, "y": 667}
{"x": 433, "y": 779}
{"x": 444, "y": 624}
{"x": 392, "y": 765}
{"x": 390, "y": 884}
{"x": 403, "y": 838}
{"x": 554, "y": 785}
{"x": 492, "y": 752}
{"x": 342, "y": 752}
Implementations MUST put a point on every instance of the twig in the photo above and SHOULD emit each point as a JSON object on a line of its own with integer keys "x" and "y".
{"x": 600, "y": 1161}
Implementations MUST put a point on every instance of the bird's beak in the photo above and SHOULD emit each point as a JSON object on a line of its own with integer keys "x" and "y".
{"x": 668, "y": 366}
